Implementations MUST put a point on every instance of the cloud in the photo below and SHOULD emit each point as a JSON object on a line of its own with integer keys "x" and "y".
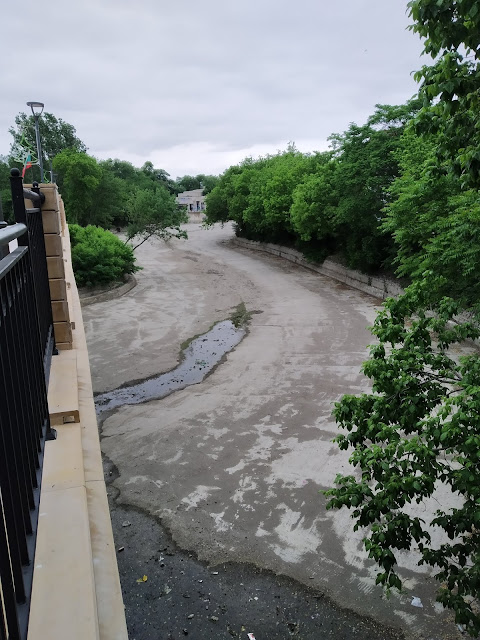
{"x": 192, "y": 85}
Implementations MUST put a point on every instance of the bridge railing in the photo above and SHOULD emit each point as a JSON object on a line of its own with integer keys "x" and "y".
{"x": 26, "y": 347}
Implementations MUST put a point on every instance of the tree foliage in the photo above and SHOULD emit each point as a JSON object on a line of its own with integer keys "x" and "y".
{"x": 56, "y": 136}
{"x": 435, "y": 224}
{"x": 417, "y": 434}
{"x": 115, "y": 192}
{"x": 104, "y": 193}
{"x": 323, "y": 202}
{"x": 98, "y": 256}
{"x": 200, "y": 181}
{"x": 418, "y": 430}
{"x": 79, "y": 179}
{"x": 154, "y": 213}
{"x": 449, "y": 87}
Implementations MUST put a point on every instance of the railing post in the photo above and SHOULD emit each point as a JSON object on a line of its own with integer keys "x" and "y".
{"x": 18, "y": 202}
{"x": 3, "y": 224}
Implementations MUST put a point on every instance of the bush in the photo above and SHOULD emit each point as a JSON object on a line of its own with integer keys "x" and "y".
{"x": 98, "y": 256}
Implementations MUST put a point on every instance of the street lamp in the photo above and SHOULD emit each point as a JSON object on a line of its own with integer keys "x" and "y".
{"x": 37, "y": 110}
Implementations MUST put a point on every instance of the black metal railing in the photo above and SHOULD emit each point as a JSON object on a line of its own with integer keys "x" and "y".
{"x": 35, "y": 240}
{"x": 26, "y": 345}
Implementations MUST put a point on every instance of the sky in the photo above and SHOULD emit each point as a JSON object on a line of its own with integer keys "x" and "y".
{"x": 195, "y": 87}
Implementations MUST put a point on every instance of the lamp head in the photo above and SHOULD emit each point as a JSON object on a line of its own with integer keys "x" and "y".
{"x": 36, "y": 107}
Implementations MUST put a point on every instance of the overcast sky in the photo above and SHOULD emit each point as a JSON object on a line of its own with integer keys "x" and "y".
{"x": 197, "y": 86}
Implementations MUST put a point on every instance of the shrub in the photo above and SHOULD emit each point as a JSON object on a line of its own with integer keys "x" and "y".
{"x": 98, "y": 256}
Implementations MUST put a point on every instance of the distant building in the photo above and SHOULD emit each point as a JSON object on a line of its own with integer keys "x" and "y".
{"x": 193, "y": 201}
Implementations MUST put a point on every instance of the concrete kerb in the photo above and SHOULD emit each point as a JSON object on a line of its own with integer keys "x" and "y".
{"x": 111, "y": 294}
{"x": 377, "y": 286}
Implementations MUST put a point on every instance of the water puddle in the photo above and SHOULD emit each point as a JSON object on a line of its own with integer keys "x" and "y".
{"x": 199, "y": 358}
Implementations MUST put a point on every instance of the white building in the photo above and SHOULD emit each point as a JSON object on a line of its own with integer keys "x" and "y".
{"x": 194, "y": 203}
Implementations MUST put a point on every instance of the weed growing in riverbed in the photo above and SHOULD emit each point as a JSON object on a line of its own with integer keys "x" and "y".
{"x": 241, "y": 317}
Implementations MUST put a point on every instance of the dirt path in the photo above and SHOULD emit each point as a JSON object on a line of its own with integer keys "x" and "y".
{"x": 233, "y": 466}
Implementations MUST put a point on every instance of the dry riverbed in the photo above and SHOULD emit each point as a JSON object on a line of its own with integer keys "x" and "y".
{"x": 227, "y": 474}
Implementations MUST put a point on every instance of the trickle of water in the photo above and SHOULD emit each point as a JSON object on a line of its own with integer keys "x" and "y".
{"x": 201, "y": 355}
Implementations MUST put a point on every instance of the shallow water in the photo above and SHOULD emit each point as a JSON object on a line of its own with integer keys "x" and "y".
{"x": 199, "y": 358}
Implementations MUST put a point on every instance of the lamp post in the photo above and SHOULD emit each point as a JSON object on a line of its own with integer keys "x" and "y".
{"x": 37, "y": 110}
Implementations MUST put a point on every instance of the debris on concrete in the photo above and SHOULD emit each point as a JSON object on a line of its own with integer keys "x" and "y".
{"x": 416, "y": 602}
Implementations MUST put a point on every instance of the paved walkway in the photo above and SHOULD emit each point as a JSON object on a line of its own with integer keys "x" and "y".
{"x": 234, "y": 466}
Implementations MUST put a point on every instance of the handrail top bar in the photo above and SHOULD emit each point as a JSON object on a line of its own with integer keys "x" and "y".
{"x": 12, "y": 232}
{"x": 37, "y": 198}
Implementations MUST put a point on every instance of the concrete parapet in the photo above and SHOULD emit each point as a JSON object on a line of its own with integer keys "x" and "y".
{"x": 54, "y": 225}
{"x": 76, "y": 591}
{"x": 377, "y": 286}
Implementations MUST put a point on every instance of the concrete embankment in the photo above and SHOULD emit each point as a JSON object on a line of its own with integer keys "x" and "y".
{"x": 378, "y": 286}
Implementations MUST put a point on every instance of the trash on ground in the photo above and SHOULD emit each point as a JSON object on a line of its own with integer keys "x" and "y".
{"x": 120, "y": 549}
{"x": 214, "y": 618}
{"x": 251, "y": 636}
{"x": 126, "y": 523}
{"x": 166, "y": 589}
{"x": 416, "y": 602}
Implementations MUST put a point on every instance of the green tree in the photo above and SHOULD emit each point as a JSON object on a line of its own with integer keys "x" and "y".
{"x": 109, "y": 205}
{"x": 449, "y": 86}
{"x": 79, "y": 176}
{"x": 367, "y": 165}
{"x": 98, "y": 256}
{"x": 321, "y": 202}
{"x": 207, "y": 182}
{"x": 56, "y": 136}
{"x": 187, "y": 183}
{"x": 159, "y": 176}
{"x": 154, "y": 213}
{"x": 419, "y": 428}
{"x": 435, "y": 224}
{"x": 217, "y": 203}
{"x": 122, "y": 170}
{"x": 315, "y": 203}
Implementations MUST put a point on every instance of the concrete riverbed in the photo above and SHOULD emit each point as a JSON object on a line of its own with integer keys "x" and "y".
{"x": 230, "y": 471}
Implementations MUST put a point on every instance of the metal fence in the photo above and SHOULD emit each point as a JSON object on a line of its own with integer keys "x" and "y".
{"x": 26, "y": 347}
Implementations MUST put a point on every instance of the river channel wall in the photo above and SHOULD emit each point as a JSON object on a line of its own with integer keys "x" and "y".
{"x": 378, "y": 286}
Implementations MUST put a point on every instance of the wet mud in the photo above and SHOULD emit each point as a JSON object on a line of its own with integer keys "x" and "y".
{"x": 199, "y": 358}
{"x": 185, "y": 597}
